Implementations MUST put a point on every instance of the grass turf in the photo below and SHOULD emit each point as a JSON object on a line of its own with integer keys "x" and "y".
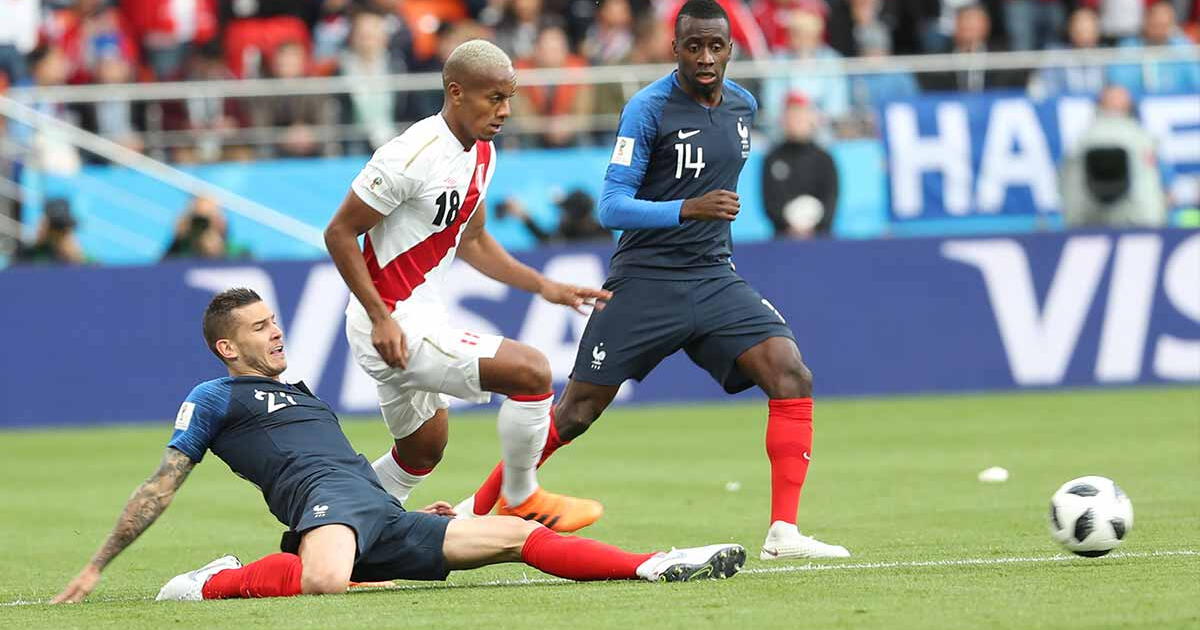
{"x": 893, "y": 480}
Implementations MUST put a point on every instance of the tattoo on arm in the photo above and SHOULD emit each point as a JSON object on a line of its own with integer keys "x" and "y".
{"x": 147, "y": 503}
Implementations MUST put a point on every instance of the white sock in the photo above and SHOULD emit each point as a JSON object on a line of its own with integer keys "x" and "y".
{"x": 397, "y": 481}
{"x": 523, "y": 425}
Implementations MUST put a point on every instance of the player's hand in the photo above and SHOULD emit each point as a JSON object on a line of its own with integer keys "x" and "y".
{"x": 80, "y": 587}
{"x": 714, "y": 205}
{"x": 389, "y": 342}
{"x": 573, "y": 296}
{"x": 440, "y": 508}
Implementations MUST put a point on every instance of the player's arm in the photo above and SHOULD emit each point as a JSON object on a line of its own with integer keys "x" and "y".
{"x": 351, "y": 220}
{"x": 483, "y": 252}
{"x": 619, "y": 207}
{"x": 149, "y": 501}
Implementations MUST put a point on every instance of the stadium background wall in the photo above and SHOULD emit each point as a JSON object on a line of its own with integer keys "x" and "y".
{"x": 873, "y": 317}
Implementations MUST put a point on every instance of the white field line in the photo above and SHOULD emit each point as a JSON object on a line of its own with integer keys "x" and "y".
{"x": 791, "y": 568}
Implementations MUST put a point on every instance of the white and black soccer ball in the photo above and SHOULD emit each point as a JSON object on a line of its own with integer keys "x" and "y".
{"x": 1090, "y": 515}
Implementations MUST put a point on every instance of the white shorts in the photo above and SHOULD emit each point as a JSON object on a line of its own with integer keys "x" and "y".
{"x": 442, "y": 361}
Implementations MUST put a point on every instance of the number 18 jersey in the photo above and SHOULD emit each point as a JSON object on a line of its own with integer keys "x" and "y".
{"x": 427, "y": 187}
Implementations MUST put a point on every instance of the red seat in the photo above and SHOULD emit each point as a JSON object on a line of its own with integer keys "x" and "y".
{"x": 264, "y": 35}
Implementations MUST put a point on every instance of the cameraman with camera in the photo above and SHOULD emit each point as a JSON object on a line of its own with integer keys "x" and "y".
{"x": 56, "y": 242}
{"x": 201, "y": 232}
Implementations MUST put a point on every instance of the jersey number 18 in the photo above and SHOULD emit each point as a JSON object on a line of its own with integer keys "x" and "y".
{"x": 684, "y": 153}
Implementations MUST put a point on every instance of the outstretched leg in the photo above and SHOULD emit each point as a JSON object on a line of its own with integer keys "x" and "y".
{"x": 495, "y": 539}
{"x": 322, "y": 567}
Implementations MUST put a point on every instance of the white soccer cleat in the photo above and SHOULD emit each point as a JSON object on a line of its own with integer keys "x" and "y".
{"x": 784, "y": 541}
{"x": 715, "y": 562}
{"x": 465, "y": 508}
{"x": 188, "y": 587}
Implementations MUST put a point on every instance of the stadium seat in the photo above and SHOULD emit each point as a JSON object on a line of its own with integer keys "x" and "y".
{"x": 263, "y": 35}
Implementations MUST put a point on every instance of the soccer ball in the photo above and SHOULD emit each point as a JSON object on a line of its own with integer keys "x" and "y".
{"x": 1090, "y": 516}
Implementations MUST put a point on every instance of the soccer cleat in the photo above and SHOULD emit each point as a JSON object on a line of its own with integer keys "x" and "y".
{"x": 785, "y": 542}
{"x": 189, "y": 587}
{"x": 559, "y": 512}
{"x": 714, "y": 562}
{"x": 465, "y": 508}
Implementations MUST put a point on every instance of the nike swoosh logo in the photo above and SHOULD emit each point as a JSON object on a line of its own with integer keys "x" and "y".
{"x": 771, "y": 552}
{"x": 806, "y": 457}
{"x": 689, "y": 134}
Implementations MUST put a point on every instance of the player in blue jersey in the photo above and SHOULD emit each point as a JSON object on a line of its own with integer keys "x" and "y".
{"x": 343, "y": 525}
{"x": 670, "y": 187}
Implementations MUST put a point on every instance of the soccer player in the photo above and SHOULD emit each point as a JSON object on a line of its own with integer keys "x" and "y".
{"x": 419, "y": 200}
{"x": 681, "y": 145}
{"x": 343, "y": 525}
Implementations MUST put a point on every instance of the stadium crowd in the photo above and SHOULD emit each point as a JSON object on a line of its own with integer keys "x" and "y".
{"x": 71, "y": 42}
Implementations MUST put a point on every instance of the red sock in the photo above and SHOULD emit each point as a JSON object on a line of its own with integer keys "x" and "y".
{"x": 577, "y": 558}
{"x": 789, "y": 447}
{"x": 489, "y": 492}
{"x": 276, "y": 575}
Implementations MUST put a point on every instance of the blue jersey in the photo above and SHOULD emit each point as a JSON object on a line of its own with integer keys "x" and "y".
{"x": 670, "y": 148}
{"x": 278, "y": 436}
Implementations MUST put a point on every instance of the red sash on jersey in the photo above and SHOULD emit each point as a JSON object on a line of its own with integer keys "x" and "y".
{"x": 397, "y": 280}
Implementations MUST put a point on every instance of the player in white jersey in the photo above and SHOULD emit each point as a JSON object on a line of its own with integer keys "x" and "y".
{"x": 420, "y": 203}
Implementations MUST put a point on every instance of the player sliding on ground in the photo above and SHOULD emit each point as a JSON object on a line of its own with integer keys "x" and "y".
{"x": 681, "y": 145}
{"x": 344, "y": 525}
{"x": 420, "y": 202}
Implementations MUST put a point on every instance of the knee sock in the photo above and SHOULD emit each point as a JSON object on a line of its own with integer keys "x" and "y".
{"x": 523, "y": 423}
{"x": 276, "y": 575}
{"x": 577, "y": 558}
{"x": 396, "y": 477}
{"x": 485, "y": 497}
{"x": 789, "y": 447}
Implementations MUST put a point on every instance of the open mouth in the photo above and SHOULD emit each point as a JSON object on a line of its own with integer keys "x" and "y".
{"x": 277, "y": 351}
{"x": 495, "y": 127}
{"x": 706, "y": 77}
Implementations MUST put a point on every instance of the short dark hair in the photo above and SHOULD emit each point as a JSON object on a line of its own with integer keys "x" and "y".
{"x": 700, "y": 10}
{"x": 219, "y": 315}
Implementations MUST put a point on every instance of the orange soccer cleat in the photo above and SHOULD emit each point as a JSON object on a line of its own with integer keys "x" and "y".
{"x": 559, "y": 512}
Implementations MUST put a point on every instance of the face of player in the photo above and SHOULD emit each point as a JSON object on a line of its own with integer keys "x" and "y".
{"x": 702, "y": 49}
{"x": 483, "y": 105}
{"x": 256, "y": 341}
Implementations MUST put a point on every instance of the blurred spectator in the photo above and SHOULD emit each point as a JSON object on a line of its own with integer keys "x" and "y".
{"x": 939, "y": 23}
{"x": 651, "y": 42}
{"x": 1083, "y": 33}
{"x": 52, "y": 152}
{"x": 1034, "y": 24}
{"x": 821, "y": 77}
{"x": 517, "y": 26}
{"x": 229, "y": 10}
{"x": 799, "y": 179}
{"x": 294, "y": 118}
{"x": 372, "y": 107}
{"x": 113, "y": 118}
{"x": 1118, "y": 18}
{"x": 1154, "y": 77}
{"x": 972, "y": 31}
{"x": 748, "y": 38}
{"x": 1111, "y": 177}
{"x": 334, "y": 28}
{"x": 18, "y": 37}
{"x": 212, "y": 118}
{"x": 576, "y": 224}
{"x": 418, "y": 105}
{"x": 200, "y": 232}
{"x": 610, "y": 38}
{"x": 868, "y": 90}
{"x": 852, "y": 21}
{"x": 56, "y": 241}
{"x": 556, "y": 106}
{"x": 168, "y": 31}
{"x": 88, "y": 33}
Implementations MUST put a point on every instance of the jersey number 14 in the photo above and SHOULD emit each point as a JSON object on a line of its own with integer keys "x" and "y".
{"x": 685, "y": 161}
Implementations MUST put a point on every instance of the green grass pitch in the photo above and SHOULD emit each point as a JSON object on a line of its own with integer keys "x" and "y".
{"x": 892, "y": 479}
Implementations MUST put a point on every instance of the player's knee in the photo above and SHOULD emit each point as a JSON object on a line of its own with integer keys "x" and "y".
{"x": 319, "y": 581}
{"x": 517, "y": 531}
{"x": 792, "y": 380}
{"x": 423, "y": 456}
{"x": 533, "y": 375}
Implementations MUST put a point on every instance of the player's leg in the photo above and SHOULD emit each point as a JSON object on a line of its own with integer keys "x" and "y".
{"x": 413, "y": 457}
{"x": 639, "y": 327}
{"x": 323, "y": 566}
{"x": 746, "y": 342}
{"x": 496, "y": 539}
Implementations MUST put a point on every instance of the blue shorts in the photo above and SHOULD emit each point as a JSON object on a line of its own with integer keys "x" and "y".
{"x": 393, "y": 544}
{"x": 714, "y": 320}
